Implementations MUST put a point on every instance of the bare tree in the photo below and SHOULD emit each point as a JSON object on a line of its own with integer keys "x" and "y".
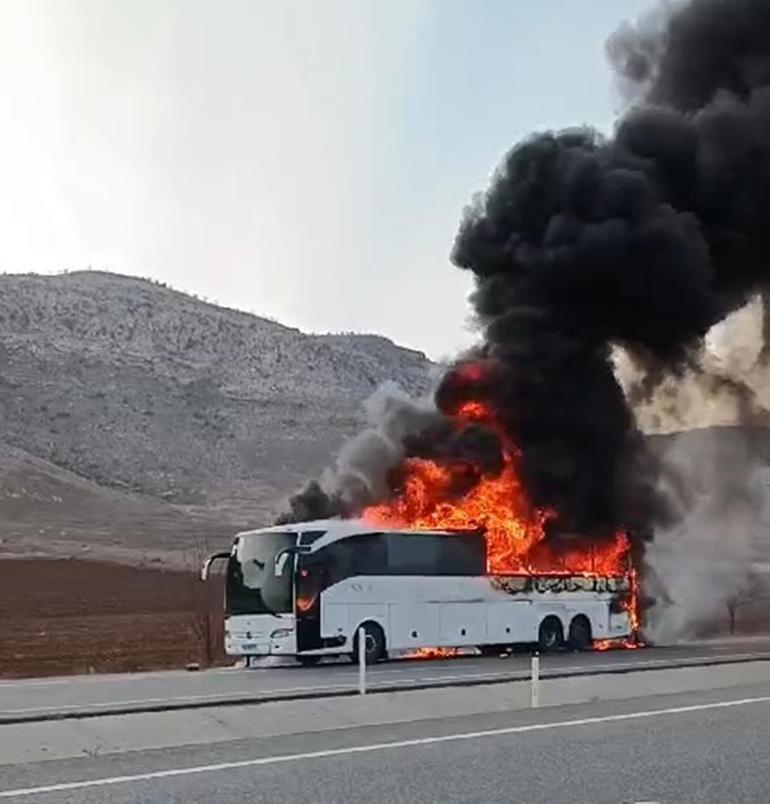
{"x": 205, "y": 633}
{"x": 751, "y": 592}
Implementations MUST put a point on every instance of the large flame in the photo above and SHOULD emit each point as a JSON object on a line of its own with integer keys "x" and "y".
{"x": 495, "y": 504}
{"x": 515, "y": 530}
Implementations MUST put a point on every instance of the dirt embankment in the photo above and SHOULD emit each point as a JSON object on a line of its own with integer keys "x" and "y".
{"x": 65, "y": 616}
{"x": 69, "y": 616}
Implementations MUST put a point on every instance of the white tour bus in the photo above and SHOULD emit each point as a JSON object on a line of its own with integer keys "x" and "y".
{"x": 304, "y": 590}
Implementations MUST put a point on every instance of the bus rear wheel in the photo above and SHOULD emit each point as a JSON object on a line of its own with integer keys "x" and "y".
{"x": 579, "y": 634}
{"x": 374, "y": 643}
{"x": 550, "y": 636}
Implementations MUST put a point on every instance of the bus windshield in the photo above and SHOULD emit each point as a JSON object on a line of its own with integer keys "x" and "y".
{"x": 252, "y": 586}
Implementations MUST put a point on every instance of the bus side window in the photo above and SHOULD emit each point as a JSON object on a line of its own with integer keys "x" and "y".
{"x": 369, "y": 554}
{"x": 309, "y": 536}
{"x": 355, "y": 555}
{"x": 413, "y": 553}
{"x": 339, "y": 561}
{"x": 462, "y": 554}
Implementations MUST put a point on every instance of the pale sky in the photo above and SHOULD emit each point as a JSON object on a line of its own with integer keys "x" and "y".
{"x": 302, "y": 159}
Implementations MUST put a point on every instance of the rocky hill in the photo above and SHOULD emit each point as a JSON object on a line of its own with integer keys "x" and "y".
{"x": 143, "y": 405}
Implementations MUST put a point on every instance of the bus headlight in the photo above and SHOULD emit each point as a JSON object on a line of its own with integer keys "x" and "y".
{"x": 281, "y": 633}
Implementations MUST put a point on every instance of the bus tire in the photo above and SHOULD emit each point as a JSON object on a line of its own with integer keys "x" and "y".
{"x": 579, "y": 633}
{"x": 374, "y": 643}
{"x": 308, "y": 661}
{"x": 551, "y": 635}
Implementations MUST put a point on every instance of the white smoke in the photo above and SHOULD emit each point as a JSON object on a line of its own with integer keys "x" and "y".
{"x": 729, "y": 384}
{"x": 703, "y": 561}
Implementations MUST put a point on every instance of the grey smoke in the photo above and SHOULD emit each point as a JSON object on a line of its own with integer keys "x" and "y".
{"x": 359, "y": 475}
{"x": 702, "y": 560}
{"x": 634, "y": 51}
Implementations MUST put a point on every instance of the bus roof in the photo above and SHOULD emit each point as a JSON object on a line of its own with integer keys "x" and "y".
{"x": 340, "y": 528}
{"x": 347, "y": 525}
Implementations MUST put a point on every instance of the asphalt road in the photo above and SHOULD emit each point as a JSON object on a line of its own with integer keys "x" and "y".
{"x": 42, "y": 698}
{"x": 694, "y": 747}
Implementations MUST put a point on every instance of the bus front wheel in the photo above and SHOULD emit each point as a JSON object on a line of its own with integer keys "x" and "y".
{"x": 550, "y": 636}
{"x": 374, "y": 643}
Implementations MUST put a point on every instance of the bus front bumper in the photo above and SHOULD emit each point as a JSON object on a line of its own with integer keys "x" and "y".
{"x": 256, "y": 637}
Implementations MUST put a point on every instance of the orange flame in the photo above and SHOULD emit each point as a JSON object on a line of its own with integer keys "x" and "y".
{"x": 495, "y": 504}
{"x": 513, "y": 527}
{"x": 633, "y": 607}
{"x": 431, "y": 653}
{"x": 472, "y": 411}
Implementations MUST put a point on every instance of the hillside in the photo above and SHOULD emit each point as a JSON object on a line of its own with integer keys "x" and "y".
{"x": 137, "y": 421}
{"x": 128, "y": 408}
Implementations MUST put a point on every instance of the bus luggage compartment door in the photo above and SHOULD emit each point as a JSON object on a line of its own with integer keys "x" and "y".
{"x": 413, "y": 625}
{"x": 511, "y": 621}
{"x": 462, "y": 624}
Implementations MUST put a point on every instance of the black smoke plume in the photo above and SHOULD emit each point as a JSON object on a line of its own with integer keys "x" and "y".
{"x": 644, "y": 240}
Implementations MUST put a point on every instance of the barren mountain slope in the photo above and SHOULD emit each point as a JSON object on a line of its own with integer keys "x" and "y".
{"x": 138, "y": 388}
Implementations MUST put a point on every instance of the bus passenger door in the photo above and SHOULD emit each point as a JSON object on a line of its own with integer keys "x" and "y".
{"x": 307, "y": 605}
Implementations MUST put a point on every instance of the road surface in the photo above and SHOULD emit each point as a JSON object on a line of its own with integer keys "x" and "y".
{"x": 710, "y": 746}
{"x": 94, "y": 695}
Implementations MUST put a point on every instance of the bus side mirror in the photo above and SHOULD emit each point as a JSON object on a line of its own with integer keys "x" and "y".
{"x": 206, "y": 569}
{"x": 283, "y": 556}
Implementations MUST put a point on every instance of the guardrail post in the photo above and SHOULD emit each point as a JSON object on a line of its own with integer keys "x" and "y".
{"x": 535, "y": 682}
{"x": 362, "y": 661}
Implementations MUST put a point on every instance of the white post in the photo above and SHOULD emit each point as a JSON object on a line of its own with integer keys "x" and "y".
{"x": 362, "y": 660}
{"x": 535, "y": 685}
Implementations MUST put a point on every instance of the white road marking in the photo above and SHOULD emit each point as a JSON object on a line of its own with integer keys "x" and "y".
{"x": 111, "y": 781}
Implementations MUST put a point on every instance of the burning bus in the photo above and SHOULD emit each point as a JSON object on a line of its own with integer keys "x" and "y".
{"x": 455, "y": 555}
{"x": 584, "y": 248}
{"x": 306, "y": 590}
